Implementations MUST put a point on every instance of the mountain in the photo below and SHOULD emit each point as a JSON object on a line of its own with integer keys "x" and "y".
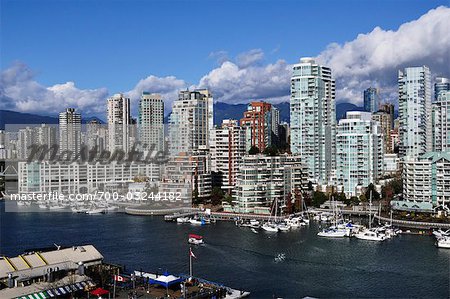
{"x": 13, "y": 117}
{"x": 342, "y": 108}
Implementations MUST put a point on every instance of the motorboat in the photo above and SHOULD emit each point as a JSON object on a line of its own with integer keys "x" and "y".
{"x": 198, "y": 221}
{"x": 96, "y": 211}
{"x": 182, "y": 220}
{"x": 370, "y": 235}
{"x": 333, "y": 233}
{"x": 42, "y": 206}
{"x": 283, "y": 227}
{"x": 440, "y": 233}
{"x": 255, "y": 223}
{"x": 195, "y": 239}
{"x": 270, "y": 227}
{"x": 254, "y": 230}
{"x": 443, "y": 242}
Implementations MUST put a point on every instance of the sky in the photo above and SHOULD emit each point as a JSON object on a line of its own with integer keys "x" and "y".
{"x": 56, "y": 54}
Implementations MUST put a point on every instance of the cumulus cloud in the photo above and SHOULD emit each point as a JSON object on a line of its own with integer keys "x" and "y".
{"x": 20, "y": 91}
{"x": 168, "y": 87}
{"x": 233, "y": 83}
{"x": 374, "y": 58}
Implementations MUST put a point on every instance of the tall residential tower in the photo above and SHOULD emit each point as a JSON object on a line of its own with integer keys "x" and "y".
{"x": 313, "y": 118}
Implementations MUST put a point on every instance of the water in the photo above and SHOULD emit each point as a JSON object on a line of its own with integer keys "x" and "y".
{"x": 407, "y": 266}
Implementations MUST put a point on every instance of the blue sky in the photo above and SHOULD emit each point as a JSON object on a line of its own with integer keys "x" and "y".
{"x": 114, "y": 44}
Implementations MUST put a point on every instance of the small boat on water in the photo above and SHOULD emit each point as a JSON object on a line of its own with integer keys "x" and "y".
{"x": 280, "y": 257}
{"x": 443, "y": 242}
{"x": 96, "y": 211}
{"x": 182, "y": 220}
{"x": 283, "y": 227}
{"x": 441, "y": 233}
{"x": 195, "y": 239}
{"x": 254, "y": 230}
{"x": 270, "y": 227}
{"x": 333, "y": 232}
{"x": 370, "y": 235}
{"x": 56, "y": 207}
{"x": 42, "y": 206}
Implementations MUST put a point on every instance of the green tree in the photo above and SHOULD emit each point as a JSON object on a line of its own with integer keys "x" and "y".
{"x": 319, "y": 198}
{"x": 254, "y": 150}
{"x": 375, "y": 194}
{"x": 216, "y": 196}
{"x": 271, "y": 150}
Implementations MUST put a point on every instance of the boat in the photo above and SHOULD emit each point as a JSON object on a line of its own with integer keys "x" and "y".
{"x": 443, "y": 242}
{"x": 254, "y": 223}
{"x": 335, "y": 231}
{"x": 270, "y": 227}
{"x": 370, "y": 235}
{"x": 182, "y": 220}
{"x": 440, "y": 233}
{"x": 332, "y": 232}
{"x": 280, "y": 257}
{"x": 283, "y": 227}
{"x": 96, "y": 211}
{"x": 42, "y": 206}
{"x": 195, "y": 239}
{"x": 254, "y": 230}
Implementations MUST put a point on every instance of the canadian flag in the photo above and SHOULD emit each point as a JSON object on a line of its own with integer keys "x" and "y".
{"x": 119, "y": 278}
{"x": 191, "y": 253}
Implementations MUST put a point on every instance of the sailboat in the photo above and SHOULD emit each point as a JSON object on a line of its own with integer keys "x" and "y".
{"x": 271, "y": 226}
{"x": 370, "y": 234}
{"x": 333, "y": 231}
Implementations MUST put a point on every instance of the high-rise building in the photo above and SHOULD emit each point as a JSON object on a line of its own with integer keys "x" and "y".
{"x": 70, "y": 131}
{"x": 389, "y": 109}
{"x": 259, "y": 122}
{"x": 119, "y": 122}
{"x": 371, "y": 99}
{"x": 96, "y": 135}
{"x": 151, "y": 121}
{"x": 441, "y": 122}
{"x": 227, "y": 149}
{"x": 384, "y": 120}
{"x": 441, "y": 85}
{"x": 415, "y": 130}
{"x": 313, "y": 118}
{"x": 190, "y": 122}
{"x": 359, "y": 152}
{"x": 261, "y": 180}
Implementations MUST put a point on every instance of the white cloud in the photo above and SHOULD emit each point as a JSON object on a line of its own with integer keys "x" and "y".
{"x": 374, "y": 58}
{"x": 19, "y": 91}
{"x": 168, "y": 87}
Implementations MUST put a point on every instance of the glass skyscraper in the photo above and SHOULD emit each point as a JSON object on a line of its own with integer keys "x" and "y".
{"x": 313, "y": 118}
{"x": 371, "y": 100}
{"x": 414, "y": 86}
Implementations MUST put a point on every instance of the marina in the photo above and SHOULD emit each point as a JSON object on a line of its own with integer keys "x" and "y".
{"x": 285, "y": 265}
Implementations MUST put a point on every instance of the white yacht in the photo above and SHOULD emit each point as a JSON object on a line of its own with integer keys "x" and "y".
{"x": 443, "y": 242}
{"x": 333, "y": 232}
{"x": 270, "y": 227}
{"x": 182, "y": 220}
{"x": 370, "y": 235}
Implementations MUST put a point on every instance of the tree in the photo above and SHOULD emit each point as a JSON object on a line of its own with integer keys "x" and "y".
{"x": 271, "y": 150}
{"x": 319, "y": 198}
{"x": 216, "y": 196}
{"x": 375, "y": 194}
{"x": 254, "y": 150}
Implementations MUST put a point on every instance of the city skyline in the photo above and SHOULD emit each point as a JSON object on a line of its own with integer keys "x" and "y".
{"x": 237, "y": 74}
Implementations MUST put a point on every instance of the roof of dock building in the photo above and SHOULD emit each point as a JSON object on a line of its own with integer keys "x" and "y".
{"x": 35, "y": 263}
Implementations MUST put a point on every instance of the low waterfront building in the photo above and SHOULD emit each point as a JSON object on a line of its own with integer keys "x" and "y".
{"x": 359, "y": 148}
{"x": 263, "y": 179}
{"x": 40, "y": 272}
{"x": 426, "y": 179}
{"x": 76, "y": 178}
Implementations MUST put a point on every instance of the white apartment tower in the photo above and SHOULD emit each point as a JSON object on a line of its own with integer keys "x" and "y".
{"x": 151, "y": 121}
{"x": 414, "y": 87}
{"x": 70, "y": 131}
{"x": 441, "y": 122}
{"x": 313, "y": 118}
{"x": 359, "y": 152}
{"x": 227, "y": 149}
{"x": 119, "y": 122}
{"x": 190, "y": 122}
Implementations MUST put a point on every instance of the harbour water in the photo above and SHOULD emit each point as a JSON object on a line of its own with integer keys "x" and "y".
{"x": 406, "y": 266}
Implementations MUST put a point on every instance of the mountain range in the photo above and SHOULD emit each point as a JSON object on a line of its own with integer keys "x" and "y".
{"x": 221, "y": 111}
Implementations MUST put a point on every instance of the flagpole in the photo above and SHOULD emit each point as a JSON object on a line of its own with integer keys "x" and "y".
{"x": 114, "y": 288}
{"x": 190, "y": 261}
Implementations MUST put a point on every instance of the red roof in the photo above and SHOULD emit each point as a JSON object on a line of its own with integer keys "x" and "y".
{"x": 99, "y": 292}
